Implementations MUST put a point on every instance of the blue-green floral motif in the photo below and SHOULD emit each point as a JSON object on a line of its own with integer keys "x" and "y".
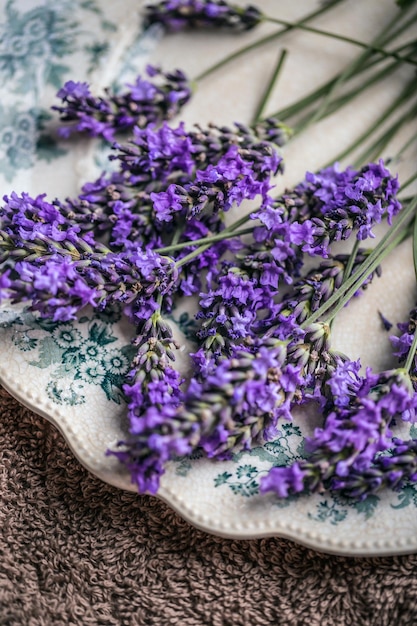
{"x": 329, "y": 511}
{"x": 32, "y": 45}
{"x": 93, "y": 7}
{"x": 245, "y": 480}
{"x": 23, "y": 138}
{"x": 184, "y": 464}
{"x": 335, "y": 509}
{"x": 283, "y": 451}
{"x": 78, "y": 359}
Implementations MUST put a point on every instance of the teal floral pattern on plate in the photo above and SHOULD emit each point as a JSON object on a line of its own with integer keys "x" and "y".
{"x": 40, "y": 47}
{"x": 33, "y": 44}
{"x": 73, "y": 373}
{"x": 284, "y": 450}
{"x": 83, "y": 354}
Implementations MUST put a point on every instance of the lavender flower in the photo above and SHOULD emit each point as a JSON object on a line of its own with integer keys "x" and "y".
{"x": 241, "y": 399}
{"x": 145, "y": 103}
{"x": 60, "y": 270}
{"x": 176, "y": 155}
{"x": 177, "y": 15}
{"x": 393, "y": 469}
{"x": 332, "y": 204}
{"x": 403, "y": 343}
{"x": 153, "y": 392}
{"x": 352, "y": 435}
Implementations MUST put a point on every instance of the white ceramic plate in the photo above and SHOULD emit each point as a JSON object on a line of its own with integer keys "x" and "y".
{"x": 71, "y": 373}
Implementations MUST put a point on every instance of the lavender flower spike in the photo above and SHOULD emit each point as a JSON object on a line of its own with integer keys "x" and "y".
{"x": 241, "y": 400}
{"x": 145, "y": 102}
{"x": 177, "y": 15}
{"x": 352, "y": 436}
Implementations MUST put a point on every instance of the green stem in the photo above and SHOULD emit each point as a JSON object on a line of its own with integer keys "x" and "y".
{"x": 312, "y": 97}
{"x": 409, "y": 181}
{"x": 405, "y": 147}
{"x": 360, "y": 44}
{"x": 259, "y": 111}
{"x": 375, "y": 125}
{"x": 352, "y": 284}
{"x": 411, "y": 354}
{"x": 204, "y": 240}
{"x": 351, "y": 70}
{"x": 361, "y": 275}
{"x": 264, "y": 40}
{"x": 351, "y": 261}
{"x": 415, "y": 246}
{"x": 344, "y": 99}
{"x": 192, "y": 255}
{"x": 378, "y": 146}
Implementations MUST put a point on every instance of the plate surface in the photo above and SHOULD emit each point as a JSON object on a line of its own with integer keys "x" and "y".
{"x": 72, "y": 373}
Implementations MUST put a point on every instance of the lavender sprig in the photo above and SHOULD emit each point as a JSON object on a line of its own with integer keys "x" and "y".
{"x": 330, "y": 205}
{"x": 392, "y": 470}
{"x": 144, "y": 103}
{"x": 60, "y": 269}
{"x": 153, "y": 394}
{"x": 240, "y": 401}
{"x": 177, "y": 15}
{"x": 355, "y": 431}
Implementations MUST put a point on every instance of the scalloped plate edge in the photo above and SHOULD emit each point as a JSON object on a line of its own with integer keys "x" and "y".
{"x": 215, "y": 526}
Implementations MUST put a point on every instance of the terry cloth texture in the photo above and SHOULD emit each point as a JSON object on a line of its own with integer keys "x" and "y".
{"x": 75, "y": 551}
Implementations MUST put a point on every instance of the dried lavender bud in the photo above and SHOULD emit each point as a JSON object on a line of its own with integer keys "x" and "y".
{"x": 391, "y": 470}
{"x": 177, "y": 15}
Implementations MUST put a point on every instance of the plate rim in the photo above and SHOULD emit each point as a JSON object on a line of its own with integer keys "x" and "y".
{"x": 392, "y": 546}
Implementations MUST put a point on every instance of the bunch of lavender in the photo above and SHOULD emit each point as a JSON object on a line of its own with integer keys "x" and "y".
{"x": 146, "y": 102}
{"x": 154, "y": 230}
{"x": 59, "y": 269}
{"x": 176, "y": 15}
{"x": 236, "y": 406}
{"x": 241, "y": 299}
{"x": 59, "y": 266}
{"x": 130, "y": 206}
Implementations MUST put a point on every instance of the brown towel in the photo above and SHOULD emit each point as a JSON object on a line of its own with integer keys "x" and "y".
{"x": 75, "y": 551}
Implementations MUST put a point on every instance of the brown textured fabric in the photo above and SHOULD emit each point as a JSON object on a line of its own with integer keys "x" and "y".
{"x": 75, "y": 551}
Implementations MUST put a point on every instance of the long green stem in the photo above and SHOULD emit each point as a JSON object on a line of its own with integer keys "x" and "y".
{"x": 411, "y": 354}
{"x": 360, "y": 44}
{"x": 415, "y": 247}
{"x": 351, "y": 70}
{"x": 351, "y": 260}
{"x": 352, "y": 284}
{"x": 377, "y": 147}
{"x": 264, "y": 40}
{"x": 204, "y": 240}
{"x": 312, "y": 97}
{"x": 265, "y": 97}
{"x": 408, "y": 143}
{"x": 362, "y": 275}
{"x": 343, "y": 100}
{"x": 409, "y": 181}
{"x": 403, "y": 97}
